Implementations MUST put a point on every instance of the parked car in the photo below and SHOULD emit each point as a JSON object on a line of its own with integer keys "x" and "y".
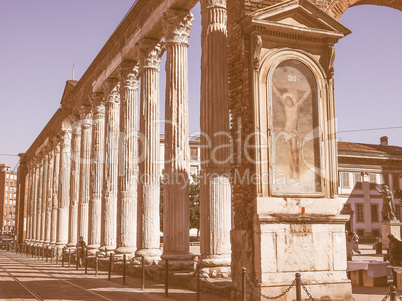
{"x": 5, "y": 242}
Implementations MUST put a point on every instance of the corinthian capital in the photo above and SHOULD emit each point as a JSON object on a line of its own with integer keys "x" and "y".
{"x": 150, "y": 54}
{"x": 97, "y": 101}
{"x": 177, "y": 26}
{"x": 214, "y": 3}
{"x": 129, "y": 75}
{"x": 111, "y": 90}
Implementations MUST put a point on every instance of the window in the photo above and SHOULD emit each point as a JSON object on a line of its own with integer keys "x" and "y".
{"x": 345, "y": 180}
{"x": 395, "y": 180}
{"x": 194, "y": 153}
{"x": 359, "y": 213}
{"x": 376, "y": 233}
{"x": 373, "y": 178}
{"x": 398, "y": 212}
{"x": 385, "y": 178}
{"x": 360, "y": 232}
{"x": 374, "y": 213}
{"x": 357, "y": 177}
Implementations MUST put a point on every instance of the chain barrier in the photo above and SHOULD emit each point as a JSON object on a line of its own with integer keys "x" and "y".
{"x": 148, "y": 272}
{"x": 385, "y": 297}
{"x": 307, "y": 292}
{"x": 267, "y": 297}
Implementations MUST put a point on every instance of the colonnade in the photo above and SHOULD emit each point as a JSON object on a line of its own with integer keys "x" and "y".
{"x": 98, "y": 177}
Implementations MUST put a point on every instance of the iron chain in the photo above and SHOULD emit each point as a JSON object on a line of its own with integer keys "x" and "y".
{"x": 386, "y": 297}
{"x": 307, "y": 292}
{"x": 398, "y": 296}
{"x": 266, "y": 297}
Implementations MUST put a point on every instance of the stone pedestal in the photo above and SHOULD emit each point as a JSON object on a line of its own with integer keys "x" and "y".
{"x": 390, "y": 227}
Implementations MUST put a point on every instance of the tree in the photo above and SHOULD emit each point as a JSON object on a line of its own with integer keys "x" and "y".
{"x": 194, "y": 188}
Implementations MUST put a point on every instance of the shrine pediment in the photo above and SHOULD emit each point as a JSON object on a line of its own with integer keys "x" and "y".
{"x": 299, "y": 17}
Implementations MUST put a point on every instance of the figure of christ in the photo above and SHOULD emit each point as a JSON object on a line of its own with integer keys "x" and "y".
{"x": 290, "y": 131}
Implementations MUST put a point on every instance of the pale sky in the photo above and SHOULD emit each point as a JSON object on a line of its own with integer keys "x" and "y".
{"x": 41, "y": 40}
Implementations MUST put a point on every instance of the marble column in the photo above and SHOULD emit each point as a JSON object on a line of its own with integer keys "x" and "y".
{"x": 85, "y": 172}
{"x": 38, "y": 226}
{"x": 55, "y": 191}
{"x": 176, "y": 26}
{"x": 44, "y": 197}
{"x": 74, "y": 184}
{"x": 109, "y": 200}
{"x": 148, "y": 238}
{"x": 215, "y": 189}
{"x": 128, "y": 160}
{"x": 30, "y": 203}
{"x": 49, "y": 195}
{"x": 98, "y": 157}
{"x": 64, "y": 186}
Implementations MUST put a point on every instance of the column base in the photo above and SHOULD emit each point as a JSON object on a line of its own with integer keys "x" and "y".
{"x": 216, "y": 266}
{"x": 151, "y": 256}
{"x": 129, "y": 251}
{"x": 71, "y": 246}
{"x": 93, "y": 249}
{"x": 178, "y": 262}
{"x": 107, "y": 250}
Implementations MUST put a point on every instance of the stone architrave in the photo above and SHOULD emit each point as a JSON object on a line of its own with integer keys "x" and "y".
{"x": 215, "y": 188}
{"x": 176, "y": 26}
{"x": 98, "y": 157}
{"x": 49, "y": 195}
{"x": 55, "y": 192}
{"x": 44, "y": 198}
{"x": 128, "y": 160}
{"x": 64, "y": 186}
{"x": 39, "y": 201}
{"x": 109, "y": 199}
{"x": 85, "y": 172}
{"x": 74, "y": 184}
{"x": 148, "y": 238}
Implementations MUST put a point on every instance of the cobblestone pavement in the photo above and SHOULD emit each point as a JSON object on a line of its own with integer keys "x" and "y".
{"x": 26, "y": 278}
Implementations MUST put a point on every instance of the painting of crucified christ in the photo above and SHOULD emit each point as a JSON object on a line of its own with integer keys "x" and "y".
{"x": 295, "y": 122}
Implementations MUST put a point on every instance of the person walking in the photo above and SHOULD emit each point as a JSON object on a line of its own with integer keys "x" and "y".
{"x": 81, "y": 246}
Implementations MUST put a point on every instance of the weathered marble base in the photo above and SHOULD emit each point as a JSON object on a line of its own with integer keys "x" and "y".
{"x": 215, "y": 266}
{"x": 129, "y": 251}
{"x": 151, "y": 256}
{"x": 178, "y": 262}
{"x": 390, "y": 227}
{"x": 93, "y": 249}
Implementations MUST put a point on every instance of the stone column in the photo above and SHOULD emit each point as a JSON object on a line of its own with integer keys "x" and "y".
{"x": 49, "y": 195}
{"x": 39, "y": 200}
{"x": 64, "y": 187}
{"x": 55, "y": 192}
{"x": 215, "y": 190}
{"x": 44, "y": 198}
{"x": 148, "y": 239}
{"x": 109, "y": 200}
{"x": 98, "y": 157}
{"x": 176, "y": 26}
{"x": 30, "y": 203}
{"x": 74, "y": 184}
{"x": 85, "y": 172}
{"x": 128, "y": 160}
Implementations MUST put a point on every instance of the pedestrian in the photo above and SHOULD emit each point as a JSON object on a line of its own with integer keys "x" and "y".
{"x": 356, "y": 238}
{"x": 81, "y": 246}
{"x": 351, "y": 246}
{"x": 394, "y": 254}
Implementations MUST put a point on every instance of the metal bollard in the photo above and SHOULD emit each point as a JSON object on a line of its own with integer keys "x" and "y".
{"x": 69, "y": 258}
{"x": 143, "y": 273}
{"x": 243, "y": 284}
{"x": 110, "y": 266}
{"x": 43, "y": 253}
{"x": 86, "y": 261}
{"x": 167, "y": 277}
{"x": 124, "y": 269}
{"x": 198, "y": 282}
{"x": 57, "y": 255}
{"x": 77, "y": 259}
{"x": 62, "y": 257}
{"x": 392, "y": 293}
{"x": 47, "y": 253}
{"x": 298, "y": 287}
{"x": 96, "y": 264}
{"x": 51, "y": 255}
{"x": 32, "y": 251}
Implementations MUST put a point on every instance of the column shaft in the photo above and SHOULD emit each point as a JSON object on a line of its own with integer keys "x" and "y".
{"x": 39, "y": 202}
{"x": 74, "y": 185}
{"x": 64, "y": 188}
{"x": 29, "y": 213}
{"x": 55, "y": 192}
{"x": 128, "y": 160}
{"x": 85, "y": 172}
{"x": 177, "y": 26}
{"x": 149, "y": 189}
{"x": 215, "y": 190}
{"x": 49, "y": 195}
{"x": 98, "y": 156}
{"x": 44, "y": 198}
{"x": 109, "y": 200}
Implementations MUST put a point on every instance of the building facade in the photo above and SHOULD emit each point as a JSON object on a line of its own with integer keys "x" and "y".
{"x": 362, "y": 169}
{"x": 8, "y": 200}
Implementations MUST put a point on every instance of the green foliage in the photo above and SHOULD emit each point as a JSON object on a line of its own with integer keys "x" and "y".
{"x": 194, "y": 188}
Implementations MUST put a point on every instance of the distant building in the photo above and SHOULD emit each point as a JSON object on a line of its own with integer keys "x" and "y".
{"x": 8, "y": 197}
{"x": 361, "y": 168}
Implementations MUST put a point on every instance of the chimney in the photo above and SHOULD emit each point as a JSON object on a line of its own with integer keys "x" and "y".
{"x": 384, "y": 140}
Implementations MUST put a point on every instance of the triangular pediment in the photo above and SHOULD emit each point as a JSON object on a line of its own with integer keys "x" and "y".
{"x": 297, "y": 15}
